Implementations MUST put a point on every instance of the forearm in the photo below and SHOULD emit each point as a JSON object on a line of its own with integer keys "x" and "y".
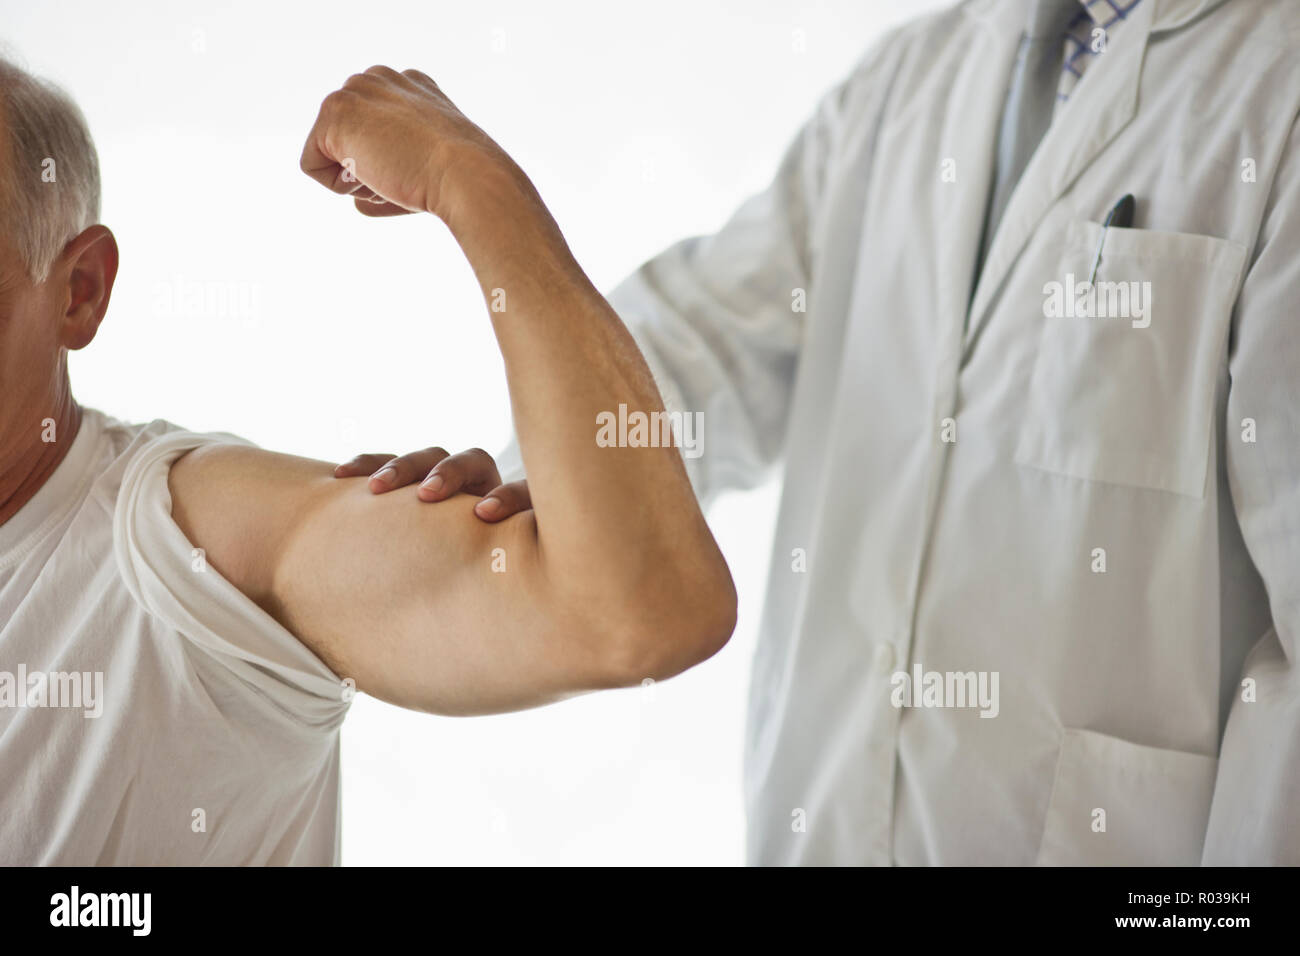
{"x": 619, "y": 524}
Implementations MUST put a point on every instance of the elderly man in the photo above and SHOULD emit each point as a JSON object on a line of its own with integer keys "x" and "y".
{"x": 184, "y": 618}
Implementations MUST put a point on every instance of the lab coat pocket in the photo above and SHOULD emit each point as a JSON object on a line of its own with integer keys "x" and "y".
{"x": 1116, "y": 803}
{"x": 1122, "y": 388}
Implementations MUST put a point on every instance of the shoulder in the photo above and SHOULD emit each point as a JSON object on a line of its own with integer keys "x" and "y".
{"x": 240, "y": 503}
{"x": 195, "y": 529}
{"x": 127, "y": 449}
{"x": 918, "y": 35}
{"x": 134, "y": 486}
{"x": 902, "y": 61}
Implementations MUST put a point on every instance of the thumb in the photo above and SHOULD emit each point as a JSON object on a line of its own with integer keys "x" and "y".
{"x": 379, "y": 207}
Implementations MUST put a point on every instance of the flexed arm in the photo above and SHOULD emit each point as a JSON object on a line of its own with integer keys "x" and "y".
{"x": 611, "y": 578}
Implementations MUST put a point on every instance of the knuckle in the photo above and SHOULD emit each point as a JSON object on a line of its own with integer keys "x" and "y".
{"x": 305, "y": 161}
{"x": 335, "y": 103}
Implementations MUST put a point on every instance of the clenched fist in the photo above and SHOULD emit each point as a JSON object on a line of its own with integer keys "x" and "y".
{"x": 396, "y": 144}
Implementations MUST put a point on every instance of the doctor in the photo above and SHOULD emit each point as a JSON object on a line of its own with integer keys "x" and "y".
{"x": 1086, "y": 509}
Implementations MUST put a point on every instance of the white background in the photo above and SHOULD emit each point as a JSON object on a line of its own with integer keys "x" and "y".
{"x": 250, "y": 300}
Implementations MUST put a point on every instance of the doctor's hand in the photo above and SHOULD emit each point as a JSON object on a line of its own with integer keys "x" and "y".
{"x": 441, "y": 476}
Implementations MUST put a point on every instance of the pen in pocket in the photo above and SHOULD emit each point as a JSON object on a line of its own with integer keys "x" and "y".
{"x": 1121, "y": 217}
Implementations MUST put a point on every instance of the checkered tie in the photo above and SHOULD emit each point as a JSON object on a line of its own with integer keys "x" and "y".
{"x": 1087, "y": 38}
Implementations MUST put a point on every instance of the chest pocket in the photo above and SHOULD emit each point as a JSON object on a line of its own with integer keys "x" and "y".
{"x": 1123, "y": 383}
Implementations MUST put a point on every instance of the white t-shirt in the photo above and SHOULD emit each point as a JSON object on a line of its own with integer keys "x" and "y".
{"x": 150, "y": 713}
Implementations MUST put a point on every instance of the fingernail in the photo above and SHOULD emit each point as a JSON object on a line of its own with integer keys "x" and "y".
{"x": 434, "y": 482}
{"x": 488, "y": 506}
{"x": 387, "y": 475}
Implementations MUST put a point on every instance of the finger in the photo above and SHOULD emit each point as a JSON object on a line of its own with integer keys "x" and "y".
{"x": 362, "y": 465}
{"x": 371, "y": 203}
{"x": 385, "y": 72}
{"x": 405, "y": 470}
{"x": 503, "y": 501}
{"x": 422, "y": 80}
{"x": 380, "y": 208}
{"x": 473, "y": 471}
{"x": 320, "y": 164}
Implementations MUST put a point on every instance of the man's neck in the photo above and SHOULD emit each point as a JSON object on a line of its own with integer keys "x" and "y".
{"x": 27, "y": 465}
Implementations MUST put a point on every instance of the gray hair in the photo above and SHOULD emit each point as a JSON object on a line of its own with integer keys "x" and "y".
{"x": 49, "y": 182}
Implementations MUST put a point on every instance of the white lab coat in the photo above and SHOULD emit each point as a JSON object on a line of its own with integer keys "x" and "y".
{"x": 1148, "y": 713}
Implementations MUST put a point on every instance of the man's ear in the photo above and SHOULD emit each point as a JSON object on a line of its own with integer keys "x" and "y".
{"x": 90, "y": 264}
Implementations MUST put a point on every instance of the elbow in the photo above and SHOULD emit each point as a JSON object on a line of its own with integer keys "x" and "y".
{"x": 673, "y": 627}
